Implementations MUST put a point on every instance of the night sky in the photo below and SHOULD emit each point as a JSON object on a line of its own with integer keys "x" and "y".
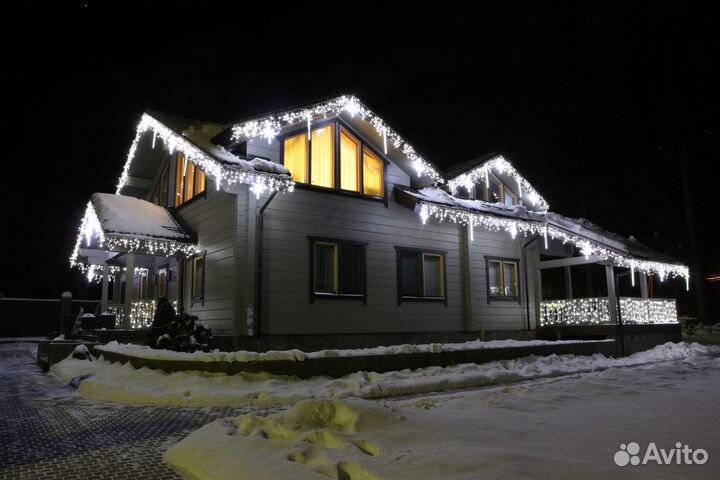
{"x": 597, "y": 104}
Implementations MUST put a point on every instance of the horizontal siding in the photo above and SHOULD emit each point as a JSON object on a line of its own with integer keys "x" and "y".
{"x": 498, "y": 314}
{"x": 213, "y": 219}
{"x": 287, "y": 309}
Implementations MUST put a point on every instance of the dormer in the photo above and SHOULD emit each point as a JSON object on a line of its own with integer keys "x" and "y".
{"x": 493, "y": 179}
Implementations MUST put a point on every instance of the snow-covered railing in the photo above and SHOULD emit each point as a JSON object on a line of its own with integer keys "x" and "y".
{"x": 596, "y": 311}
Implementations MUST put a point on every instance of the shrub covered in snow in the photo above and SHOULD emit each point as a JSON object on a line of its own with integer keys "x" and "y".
{"x": 182, "y": 334}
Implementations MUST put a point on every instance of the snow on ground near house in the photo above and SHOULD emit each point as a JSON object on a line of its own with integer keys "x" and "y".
{"x": 143, "y": 351}
{"x": 568, "y": 427}
{"x": 116, "y": 382}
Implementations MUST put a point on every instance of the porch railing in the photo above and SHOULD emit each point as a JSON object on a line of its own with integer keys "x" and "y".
{"x": 596, "y": 311}
{"x": 141, "y": 313}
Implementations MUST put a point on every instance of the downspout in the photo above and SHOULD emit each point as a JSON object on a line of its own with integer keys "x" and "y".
{"x": 527, "y": 285}
{"x": 258, "y": 262}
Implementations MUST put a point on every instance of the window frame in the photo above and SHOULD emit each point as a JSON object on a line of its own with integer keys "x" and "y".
{"x": 163, "y": 276}
{"x": 143, "y": 285}
{"x": 503, "y": 298}
{"x": 339, "y": 124}
{"x": 194, "y": 297}
{"x": 196, "y": 172}
{"x": 506, "y": 192}
{"x": 338, "y": 242}
{"x": 421, "y": 253}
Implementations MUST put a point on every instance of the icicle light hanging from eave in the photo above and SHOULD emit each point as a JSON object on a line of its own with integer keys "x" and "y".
{"x": 514, "y": 227}
{"x": 91, "y": 233}
{"x": 224, "y": 175}
{"x": 531, "y": 198}
{"x": 269, "y": 127}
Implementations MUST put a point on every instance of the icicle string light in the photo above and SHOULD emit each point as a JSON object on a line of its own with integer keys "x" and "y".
{"x": 502, "y": 166}
{"x": 91, "y": 233}
{"x": 526, "y": 228}
{"x": 269, "y": 127}
{"x": 596, "y": 311}
{"x": 224, "y": 174}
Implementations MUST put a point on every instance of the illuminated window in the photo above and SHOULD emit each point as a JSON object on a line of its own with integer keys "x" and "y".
{"x": 349, "y": 162}
{"x": 162, "y": 282}
{"x": 296, "y": 157}
{"x": 373, "y": 177}
{"x": 502, "y": 277}
{"x": 334, "y": 158}
{"x": 338, "y": 268}
{"x": 198, "y": 277}
{"x": 421, "y": 275}
{"x": 189, "y": 180}
{"x": 322, "y": 153}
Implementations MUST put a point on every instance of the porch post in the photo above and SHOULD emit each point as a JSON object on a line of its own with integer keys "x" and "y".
{"x": 612, "y": 294}
{"x": 568, "y": 283}
{"x": 117, "y": 288}
{"x": 104, "y": 292}
{"x": 643, "y": 285}
{"x": 129, "y": 289}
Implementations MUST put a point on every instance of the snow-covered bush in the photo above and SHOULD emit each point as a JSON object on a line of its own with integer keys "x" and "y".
{"x": 178, "y": 332}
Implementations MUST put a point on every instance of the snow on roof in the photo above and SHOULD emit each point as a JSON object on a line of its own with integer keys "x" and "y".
{"x": 194, "y": 139}
{"x": 479, "y": 173}
{"x": 130, "y": 216}
{"x": 269, "y": 126}
{"x": 579, "y": 231}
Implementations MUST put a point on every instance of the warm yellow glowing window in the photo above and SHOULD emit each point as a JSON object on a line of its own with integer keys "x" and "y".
{"x": 373, "y": 183}
{"x": 189, "y": 180}
{"x": 179, "y": 179}
{"x": 322, "y": 153}
{"x": 349, "y": 162}
{"x": 296, "y": 157}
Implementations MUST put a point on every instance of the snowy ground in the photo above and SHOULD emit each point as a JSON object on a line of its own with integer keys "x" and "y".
{"x": 550, "y": 417}
{"x": 564, "y": 427}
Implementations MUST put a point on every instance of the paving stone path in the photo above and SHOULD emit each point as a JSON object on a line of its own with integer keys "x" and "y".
{"x": 47, "y": 431}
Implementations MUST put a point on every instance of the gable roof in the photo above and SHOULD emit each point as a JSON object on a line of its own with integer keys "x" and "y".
{"x": 194, "y": 139}
{"x": 474, "y": 171}
{"x": 588, "y": 237}
{"x": 268, "y": 126}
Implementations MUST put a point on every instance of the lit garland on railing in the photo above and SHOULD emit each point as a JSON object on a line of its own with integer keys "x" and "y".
{"x": 596, "y": 311}
{"x": 513, "y": 226}
{"x": 228, "y": 175}
{"x": 500, "y": 165}
{"x": 142, "y": 313}
{"x": 270, "y": 126}
{"x": 91, "y": 230}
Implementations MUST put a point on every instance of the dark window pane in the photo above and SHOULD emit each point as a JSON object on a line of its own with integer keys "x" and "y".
{"x": 494, "y": 278}
{"x": 409, "y": 275}
{"x": 480, "y": 191}
{"x": 351, "y": 271}
{"x": 432, "y": 274}
{"x": 325, "y": 268}
{"x": 495, "y": 191}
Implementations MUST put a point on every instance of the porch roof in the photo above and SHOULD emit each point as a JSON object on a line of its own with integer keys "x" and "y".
{"x": 118, "y": 223}
{"x": 590, "y": 238}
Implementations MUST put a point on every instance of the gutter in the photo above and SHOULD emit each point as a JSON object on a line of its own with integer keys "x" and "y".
{"x": 527, "y": 285}
{"x": 258, "y": 263}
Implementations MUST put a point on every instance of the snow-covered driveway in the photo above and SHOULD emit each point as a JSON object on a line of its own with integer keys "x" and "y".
{"x": 48, "y": 432}
{"x": 564, "y": 427}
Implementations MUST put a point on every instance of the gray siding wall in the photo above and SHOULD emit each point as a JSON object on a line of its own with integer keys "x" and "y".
{"x": 286, "y": 286}
{"x": 500, "y": 314}
{"x": 291, "y": 218}
{"x": 214, "y": 220}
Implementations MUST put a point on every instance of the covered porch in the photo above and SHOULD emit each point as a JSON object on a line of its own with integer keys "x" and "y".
{"x": 136, "y": 249}
{"x": 587, "y": 308}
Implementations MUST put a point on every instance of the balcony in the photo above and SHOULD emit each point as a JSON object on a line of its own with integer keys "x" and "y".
{"x": 596, "y": 311}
